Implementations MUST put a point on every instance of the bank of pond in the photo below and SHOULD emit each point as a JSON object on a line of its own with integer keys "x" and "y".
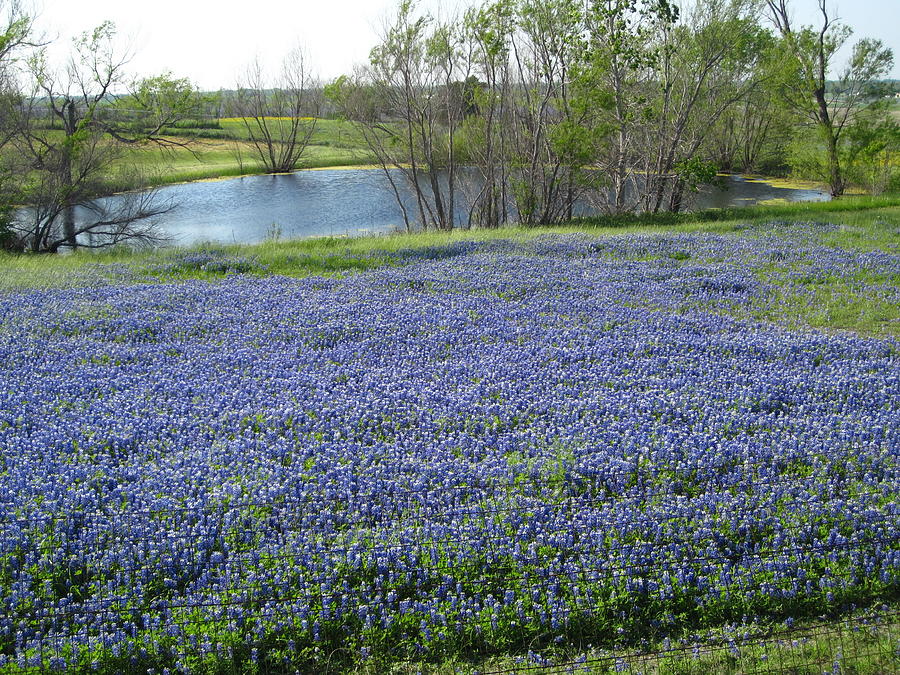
{"x": 359, "y": 201}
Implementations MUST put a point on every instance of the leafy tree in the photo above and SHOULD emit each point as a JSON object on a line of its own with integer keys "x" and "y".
{"x": 16, "y": 29}
{"x": 749, "y": 136}
{"x": 152, "y": 105}
{"x": 831, "y": 107}
{"x": 544, "y": 156}
{"x": 614, "y": 79}
{"x": 872, "y": 150}
{"x": 64, "y": 171}
{"x": 707, "y": 63}
{"x": 654, "y": 82}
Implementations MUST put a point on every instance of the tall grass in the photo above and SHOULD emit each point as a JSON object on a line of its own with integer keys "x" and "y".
{"x": 791, "y": 211}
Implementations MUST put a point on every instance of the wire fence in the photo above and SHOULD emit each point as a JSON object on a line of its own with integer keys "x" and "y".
{"x": 833, "y": 647}
{"x": 744, "y": 570}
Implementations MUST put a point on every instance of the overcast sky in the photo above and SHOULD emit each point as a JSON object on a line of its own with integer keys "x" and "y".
{"x": 210, "y": 42}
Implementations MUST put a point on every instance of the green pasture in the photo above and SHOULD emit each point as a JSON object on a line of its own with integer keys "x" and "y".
{"x": 226, "y": 151}
{"x": 209, "y": 159}
{"x": 329, "y": 133}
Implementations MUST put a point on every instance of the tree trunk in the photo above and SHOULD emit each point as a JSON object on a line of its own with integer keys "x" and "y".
{"x": 835, "y": 175}
{"x": 677, "y": 198}
{"x": 71, "y": 126}
{"x": 69, "y": 227}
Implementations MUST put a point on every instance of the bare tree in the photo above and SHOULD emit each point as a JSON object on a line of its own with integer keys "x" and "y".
{"x": 489, "y": 31}
{"x": 358, "y": 100}
{"x": 830, "y": 106}
{"x": 101, "y": 113}
{"x": 544, "y": 51}
{"x": 411, "y": 79}
{"x": 89, "y": 220}
{"x": 279, "y": 116}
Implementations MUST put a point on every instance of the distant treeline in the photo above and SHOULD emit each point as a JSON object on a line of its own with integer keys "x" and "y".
{"x": 630, "y": 105}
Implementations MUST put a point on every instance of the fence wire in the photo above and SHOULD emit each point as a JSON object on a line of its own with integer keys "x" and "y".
{"x": 648, "y": 582}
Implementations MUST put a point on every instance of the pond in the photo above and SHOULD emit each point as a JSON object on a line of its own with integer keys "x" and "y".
{"x": 346, "y": 202}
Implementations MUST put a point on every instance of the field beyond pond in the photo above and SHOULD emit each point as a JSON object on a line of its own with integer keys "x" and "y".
{"x": 482, "y": 451}
{"x": 224, "y": 150}
{"x": 227, "y": 151}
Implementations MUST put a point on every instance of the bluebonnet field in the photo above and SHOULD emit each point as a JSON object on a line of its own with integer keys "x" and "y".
{"x": 519, "y": 448}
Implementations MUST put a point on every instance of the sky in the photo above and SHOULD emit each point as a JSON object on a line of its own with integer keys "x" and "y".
{"x": 211, "y": 41}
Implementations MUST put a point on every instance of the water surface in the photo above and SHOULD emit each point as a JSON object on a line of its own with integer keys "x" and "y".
{"x": 347, "y": 202}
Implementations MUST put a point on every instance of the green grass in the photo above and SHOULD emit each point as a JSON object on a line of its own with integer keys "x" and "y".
{"x": 209, "y": 158}
{"x": 830, "y": 304}
{"x": 329, "y": 133}
{"x": 865, "y": 224}
{"x": 226, "y": 152}
{"x": 840, "y": 210}
{"x": 335, "y": 133}
{"x": 803, "y": 650}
